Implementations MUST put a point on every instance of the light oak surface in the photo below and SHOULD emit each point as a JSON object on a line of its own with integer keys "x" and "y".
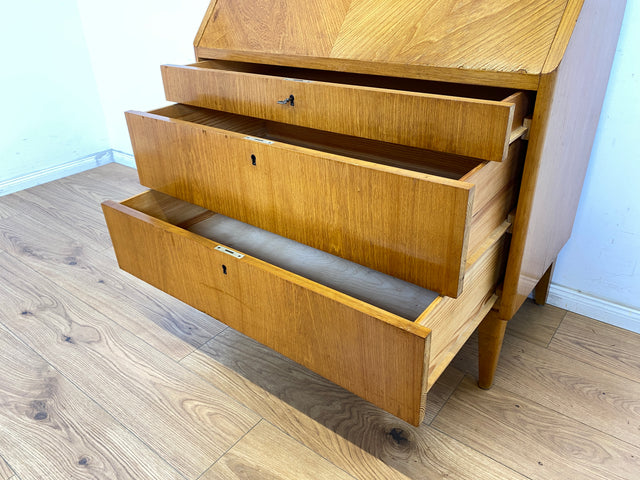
{"x": 6, "y": 473}
{"x": 77, "y": 267}
{"x": 467, "y": 433}
{"x": 268, "y": 453}
{"x": 65, "y": 431}
{"x": 361, "y": 346}
{"x": 400, "y": 221}
{"x": 414, "y": 38}
{"x": 474, "y": 127}
{"x": 607, "y": 348}
{"x": 370, "y": 351}
{"x": 564, "y": 447}
{"x": 406, "y": 224}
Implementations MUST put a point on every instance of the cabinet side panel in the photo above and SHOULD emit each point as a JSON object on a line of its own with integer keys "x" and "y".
{"x": 564, "y": 125}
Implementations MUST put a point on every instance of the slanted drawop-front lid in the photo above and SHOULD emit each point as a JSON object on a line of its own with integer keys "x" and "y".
{"x": 500, "y": 39}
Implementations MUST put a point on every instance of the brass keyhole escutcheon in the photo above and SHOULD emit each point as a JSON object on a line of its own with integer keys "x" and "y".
{"x": 287, "y": 101}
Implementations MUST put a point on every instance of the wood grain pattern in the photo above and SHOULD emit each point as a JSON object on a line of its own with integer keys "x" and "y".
{"x": 406, "y": 224}
{"x": 267, "y": 453}
{"x": 137, "y": 385}
{"x": 549, "y": 185}
{"x": 58, "y": 203}
{"x": 384, "y": 34}
{"x": 64, "y": 432}
{"x": 373, "y": 353}
{"x": 6, "y": 473}
{"x": 162, "y": 321}
{"x": 465, "y": 126}
{"x": 589, "y": 394}
{"x": 6, "y": 211}
{"x": 333, "y": 422}
{"x": 360, "y": 438}
{"x": 490, "y": 337}
{"x": 608, "y": 348}
{"x": 535, "y": 323}
{"x": 423, "y": 32}
{"x": 563, "y": 35}
{"x": 565, "y": 448}
{"x": 271, "y": 26}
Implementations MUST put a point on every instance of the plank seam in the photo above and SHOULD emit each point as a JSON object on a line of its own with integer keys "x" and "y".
{"x": 228, "y": 449}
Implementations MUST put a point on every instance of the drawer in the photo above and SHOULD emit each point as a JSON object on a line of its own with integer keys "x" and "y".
{"x": 418, "y": 113}
{"x": 383, "y": 339}
{"x": 403, "y": 211}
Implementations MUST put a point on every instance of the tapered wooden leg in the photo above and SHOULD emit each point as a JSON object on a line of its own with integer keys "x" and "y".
{"x": 490, "y": 336}
{"x": 541, "y": 290}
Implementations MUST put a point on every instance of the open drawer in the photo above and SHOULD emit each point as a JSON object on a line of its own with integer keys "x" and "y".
{"x": 403, "y": 211}
{"x": 384, "y": 339}
{"x": 409, "y": 112}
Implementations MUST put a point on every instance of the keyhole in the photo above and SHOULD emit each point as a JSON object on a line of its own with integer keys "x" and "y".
{"x": 224, "y": 269}
{"x": 253, "y": 159}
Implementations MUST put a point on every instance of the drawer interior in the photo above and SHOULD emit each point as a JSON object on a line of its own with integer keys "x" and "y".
{"x": 413, "y": 159}
{"x": 383, "y": 291}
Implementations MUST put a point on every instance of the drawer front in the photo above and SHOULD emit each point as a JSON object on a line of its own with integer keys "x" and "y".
{"x": 377, "y": 355}
{"x": 407, "y": 224}
{"x": 465, "y": 126}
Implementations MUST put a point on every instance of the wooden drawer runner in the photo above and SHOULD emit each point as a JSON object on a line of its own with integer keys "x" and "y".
{"x": 387, "y": 109}
{"x": 389, "y": 360}
{"x": 406, "y": 212}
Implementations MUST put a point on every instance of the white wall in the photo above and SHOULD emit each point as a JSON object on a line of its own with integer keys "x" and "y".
{"x": 128, "y": 41}
{"x": 51, "y": 112}
{"x": 602, "y": 258}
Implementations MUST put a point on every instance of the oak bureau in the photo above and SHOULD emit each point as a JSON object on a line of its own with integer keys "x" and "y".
{"x": 360, "y": 184}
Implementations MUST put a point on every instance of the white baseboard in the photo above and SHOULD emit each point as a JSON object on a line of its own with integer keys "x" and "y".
{"x": 123, "y": 158}
{"x": 593, "y": 307}
{"x": 54, "y": 173}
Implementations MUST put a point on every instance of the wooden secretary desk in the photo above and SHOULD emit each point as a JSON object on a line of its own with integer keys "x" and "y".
{"x": 360, "y": 184}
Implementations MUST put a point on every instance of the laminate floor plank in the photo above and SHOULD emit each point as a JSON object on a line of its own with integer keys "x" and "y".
{"x": 532, "y": 439}
{"x": 341, "y": 427}
{"x": 604, "y": 346}
{"x": 181, "y": 417}
{"x": 82, "y": 223}
{"x": 66, "y": 434}
{"x": 6, "y": 473}
{"x": 109, "y": 182}
{"x": 124, "y": 180}
{"x": 6, "y": 211}
{"x": 266, "y": 453}
{"x": 604, "y": 401}
{"x": 167, "y": 324}
{"x": 536, "y": 323}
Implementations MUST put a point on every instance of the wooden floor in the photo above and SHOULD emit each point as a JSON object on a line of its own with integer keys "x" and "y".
{"x": 104, "y": 377}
